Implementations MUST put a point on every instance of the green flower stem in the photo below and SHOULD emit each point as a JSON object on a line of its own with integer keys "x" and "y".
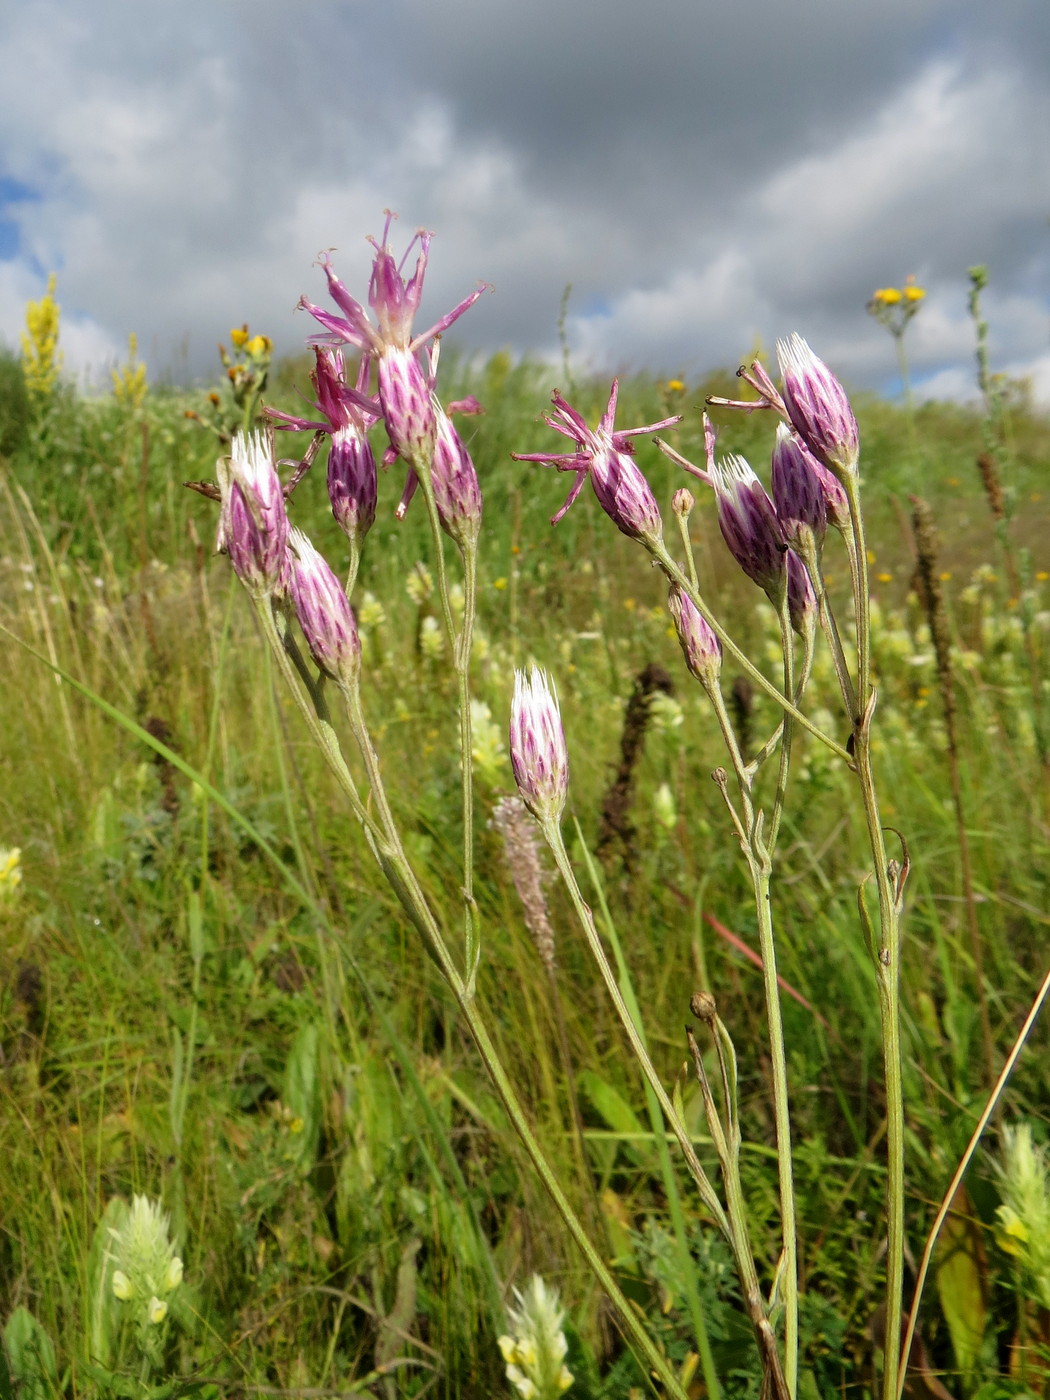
{"x": 887, "y": 953}
{"x": 671, "y": 570}
{"x": 757, "y": 855}
{"x": 553, "y": 836}
{"x": 461, "y": 646}
{"x": 660, "y": 1136}
{"x": 812, "y": 558}
{"x": 787, "y": 644}
{"x": 386, "y": 843}
{"x": 355, "y": 564}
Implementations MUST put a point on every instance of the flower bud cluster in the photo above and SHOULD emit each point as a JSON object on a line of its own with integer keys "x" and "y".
{"x": 535, "y": 1349}
{"x": 146, "y": 1271}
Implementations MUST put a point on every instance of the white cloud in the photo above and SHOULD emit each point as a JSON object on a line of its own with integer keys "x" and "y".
{"x": 190, "y": 170}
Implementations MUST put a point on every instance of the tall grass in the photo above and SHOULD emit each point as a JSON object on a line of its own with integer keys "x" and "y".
{"x": 255, "y": 1037}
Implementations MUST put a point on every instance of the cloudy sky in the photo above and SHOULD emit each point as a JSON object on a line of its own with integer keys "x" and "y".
{"x": 704, "y": 174}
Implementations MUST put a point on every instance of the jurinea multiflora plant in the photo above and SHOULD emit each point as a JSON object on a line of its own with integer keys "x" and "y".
{"x": 778, "y": 541}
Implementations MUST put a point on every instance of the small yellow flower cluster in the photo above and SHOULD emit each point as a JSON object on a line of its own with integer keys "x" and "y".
{"x": 129, "y": 381}
{"x": 247, "y": 370}
{"x": 895, "y": 306}
{"x": 10, "y": 870}
{"x": 41, "y": 360}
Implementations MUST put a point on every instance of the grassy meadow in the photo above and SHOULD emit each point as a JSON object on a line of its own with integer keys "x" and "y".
{"x": 221, "y": 1005}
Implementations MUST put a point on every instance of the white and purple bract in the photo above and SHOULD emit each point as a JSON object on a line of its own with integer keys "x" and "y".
{"x": 538, "y": 753}
{"x": 253, "y": 523}
{"x": 700, "y": 646}
{"x": 818, "y": 408}
{"x": 802, "y": 601}
{"x": 324, "y": 613}
{"x": 607, "y": 457}
{"x": 798, "y": 492}
{"x": 749, "y": 524}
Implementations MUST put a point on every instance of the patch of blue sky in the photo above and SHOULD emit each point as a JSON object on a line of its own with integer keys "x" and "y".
{"x": 12, "y": 193}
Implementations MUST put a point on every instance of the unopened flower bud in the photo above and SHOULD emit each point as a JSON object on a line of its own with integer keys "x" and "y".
{"x": 538, "y": 753}
{"x": 797, "y": 490}
{"x": 407, "y": 408}
{"x": 457, "y": 492}
{"x": 818, "y": 408}
{"x": 121, "y": 1285}
{"x": 324, "y": 612}
{"x": 700, "y": 646}
{"x": 173, "y": 1277}
{"x": 749, "y": 525}
{"x": 802, "y": 601}
{"x": 682, "y": 503}
{"x": 253, "y": 524}
{"x": 703, "y": 1006}
{"x": 352, "y": 481}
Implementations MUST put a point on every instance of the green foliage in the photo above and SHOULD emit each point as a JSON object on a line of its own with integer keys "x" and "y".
{"x": 286, "y": 1072}
{"x": 14, "y": 404}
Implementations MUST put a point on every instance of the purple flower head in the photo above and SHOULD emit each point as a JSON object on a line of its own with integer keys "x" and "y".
{"x": 323, "y": 611}
{"x": 347, "y": 414}
{"x": 749, "y": 525}
{"x": 253, "y": 524}
{"x": 802, "y": 601}
{"x": 798, "y": 492}
{"x": 700, "y": 646}
{"x": 538, "y": 754}
{"x": 818, "y": 408}
{"x": 607, "y": 457}
{"x": 403, "y": 390}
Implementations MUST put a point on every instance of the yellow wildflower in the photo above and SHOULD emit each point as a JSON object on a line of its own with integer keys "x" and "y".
{"x": 10, "y": 869}
{"x": 887, "y": 296}
{"x": 675, "y": 386}
{"x": 129, "y": 381}
{"x": 41, "y": 360}
{"x": 239, "y": 336}
{"x": 914, "y": 293}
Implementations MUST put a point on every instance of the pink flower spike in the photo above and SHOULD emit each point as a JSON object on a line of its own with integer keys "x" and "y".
{"x": 538, "y": 753}
{"x": 607, "y": 457}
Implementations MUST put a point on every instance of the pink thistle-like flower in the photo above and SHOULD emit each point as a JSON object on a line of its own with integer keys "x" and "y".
{"x": 818, "y": 408}
{"x": 253, "y": 523}
{"x": 324, "y": 613}
{"x": 538, "y": 753}
{"x": 749, "y": 525}
{"x": 403, "y": 389}
{"x": 607, "y": 457}
{"x": 348, "y": 413}
{"x": 700, "y": 646}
